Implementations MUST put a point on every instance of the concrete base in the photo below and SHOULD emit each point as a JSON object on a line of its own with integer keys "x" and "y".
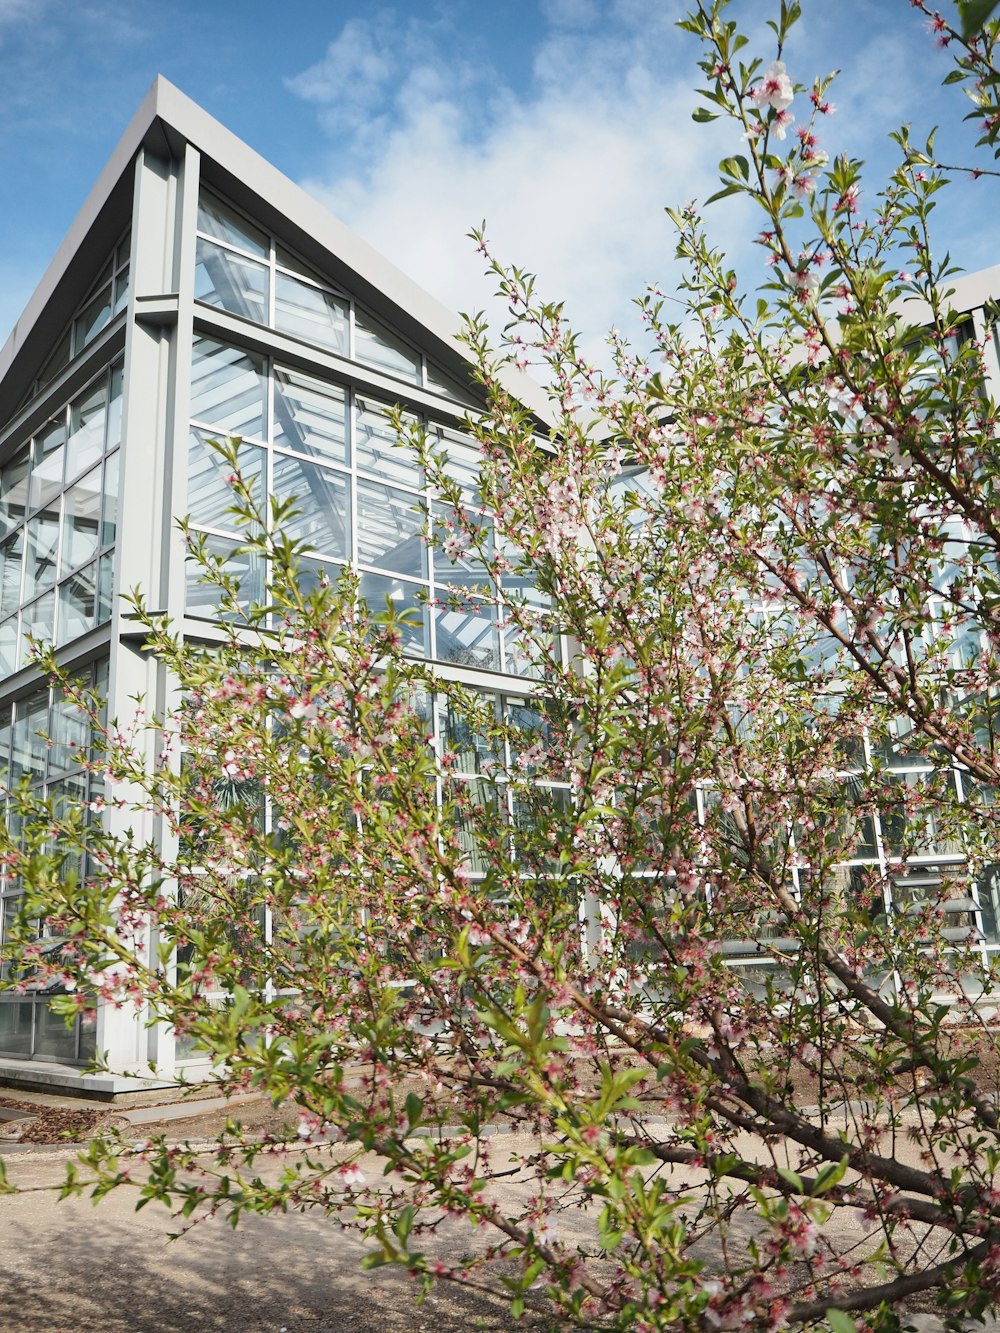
{"x": 71, "y": 1081}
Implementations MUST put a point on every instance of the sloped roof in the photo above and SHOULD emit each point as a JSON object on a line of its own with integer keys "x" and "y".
{"x": 165, "y": 121}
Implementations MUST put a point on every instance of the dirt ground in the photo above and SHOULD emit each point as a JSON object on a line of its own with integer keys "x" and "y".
{"x": 70, "y": 1122}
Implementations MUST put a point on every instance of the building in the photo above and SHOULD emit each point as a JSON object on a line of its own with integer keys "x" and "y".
{"x": 198, "y": 293}
{"x": 201, "y": 293}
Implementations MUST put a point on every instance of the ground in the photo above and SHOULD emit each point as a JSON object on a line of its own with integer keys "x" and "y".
{"x": 74, "y": 1268}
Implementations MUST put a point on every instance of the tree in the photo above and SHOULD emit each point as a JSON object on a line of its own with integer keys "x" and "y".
{"x": 705, "y": 914}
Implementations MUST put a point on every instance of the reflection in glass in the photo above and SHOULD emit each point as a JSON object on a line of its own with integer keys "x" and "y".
{"x": 109, "y": 500}
{"x": 310, "y": 416}
{"x": 104, "y": 584}
{"x": 406, "y": 599}
{"x": 11, "y": 560}
{"x": 377, "y": 446}
{"x": 375, "y": 344}
{"x": 321, "y": 519}
{"x": 227, "y": 388}
{"x": 209, "y": 493}
{"x": 204, "y": 599}
{"x": 16, "y": 1022}
{"x": 69, "y": 733}
{"x": 77, "y": 603}
{"x": 462, "y": 460}
{"x": 391, "y": 530}
{"x": 86, "y": 432}
{"x": 311, "y": 314}
{"x": 47, "y": 465}
{"x": 223, "y": 223}
{"x": 230, "y": 282}
{"x": 88, "y": 325}
{"x": 28, "y": 746}
{"x": 81, "y": 521}
{"x": 43, "y": 541}
{"x": 8, "y": 647}
{"x": 468, "y": 636}
{"x": 114, "y": 432}
{"x": 38, "y": 622}
{"x": 14, "y": 490}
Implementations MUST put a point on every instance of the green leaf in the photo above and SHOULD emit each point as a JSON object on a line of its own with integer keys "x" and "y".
{"x": 702, "y": 115}
{"x": 791, "y": 1178}
{"x": 975, "y": 14}
{"x": 840, "y": 1321}
{"x": 832, "y": 1174}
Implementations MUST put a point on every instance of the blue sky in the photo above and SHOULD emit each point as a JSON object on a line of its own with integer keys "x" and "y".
{"x": 564, "y": 123}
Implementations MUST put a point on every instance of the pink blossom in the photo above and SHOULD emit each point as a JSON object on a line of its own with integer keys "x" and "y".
{"x": 776, "y": 89}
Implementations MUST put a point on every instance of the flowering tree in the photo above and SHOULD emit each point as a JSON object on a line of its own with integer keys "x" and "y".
{"x": 705, "y": 914}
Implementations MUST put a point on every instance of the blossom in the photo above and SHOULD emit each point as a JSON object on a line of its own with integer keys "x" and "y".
{"x": 351, "y": 1176}
{"x": 776, "y": 90}
{"x": 781, "y": 123}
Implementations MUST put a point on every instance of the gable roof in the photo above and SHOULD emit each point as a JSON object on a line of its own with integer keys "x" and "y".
{"x": 164, "y": 122}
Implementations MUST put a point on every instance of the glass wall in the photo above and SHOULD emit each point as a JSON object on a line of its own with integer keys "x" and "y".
{"x": 108, "y": 297}
{"x": 245, "y": 271}
{"x": 359, "y": 495}
{"x": 58, "y": 513}
{"x": 41, "y": 737}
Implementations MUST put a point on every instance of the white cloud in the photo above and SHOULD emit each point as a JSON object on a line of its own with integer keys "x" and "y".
{"x": 572, "y": 177}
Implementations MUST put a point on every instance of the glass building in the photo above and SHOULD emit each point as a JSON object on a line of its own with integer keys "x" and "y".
{"x": 200, "y": 294}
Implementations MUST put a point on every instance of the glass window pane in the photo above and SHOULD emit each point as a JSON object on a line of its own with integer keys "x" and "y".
{"x": 77, "y": 603}
{"x": 124, "y": 249}
{"x": 9, "y": 659}
{"x": 11, "y": 560}
{"x": 527, "y": 654}
{"x": 28, "y": 748}
{"x": 309, "y": 415}
{"x": 471, "y": 748}
{"x": 459, "y": 565}
{"x": 462, "y": 460}
{"x": 14, "y": 491}
{"x": 15, "y": 1018}
{"x": 121, "y": 292}
{"x": 209, "y": 494}
{"x": 88, "y": 325}
{"x": 203, "y": 598}
{"x": 468, "y": 635}
{"x": 38, "y": 621}
{"x": 377, "y": 446}
{"x": 321, "y": 496}
{"x": 391, "y": 530}
{"x": 5, "y": 730}
{"x": 230, "y": 282}
{"x": 52, "y": 1037}
{"x": 227, "y": 388}
{"x": 47, "y": 464}
{"x": 217, "y": 219}
{"x": 70, "y": 735}
{"x": 115, "y": 408}
{"x": 109, "y": 500}
{"x": 81, "y": 521}
{"x": 86, "y": 431}
{"x": 374, "y": 344}
{"x": 56, "y": 361}
{"x": 43, "y": 542}
{"x": 407, "y": 599}
{"x": 104, "y": 587}
{"x": 311, "y": 314}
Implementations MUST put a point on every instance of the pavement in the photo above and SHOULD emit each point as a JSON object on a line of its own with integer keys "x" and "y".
{"x": 71, "y": 1267}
